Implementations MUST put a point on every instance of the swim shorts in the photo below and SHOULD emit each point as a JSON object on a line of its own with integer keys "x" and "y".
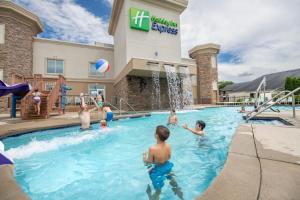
{"x": 159, "y": 173}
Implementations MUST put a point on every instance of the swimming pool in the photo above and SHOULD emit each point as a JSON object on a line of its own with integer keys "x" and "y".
{"x": 107, "y": 164}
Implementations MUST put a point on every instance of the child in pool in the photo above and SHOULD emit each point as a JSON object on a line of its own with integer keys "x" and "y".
{"x": 199, "y": 128}
{"x": 100, "y": 101}
{"x": 85, "y": 116}
{"x": 103, "y": 124}
{"x": 107, "y": 113}
{"x": 173, "y": 119}
{"x": 159, "y": 155}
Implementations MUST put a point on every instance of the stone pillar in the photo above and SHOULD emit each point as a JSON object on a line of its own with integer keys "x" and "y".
{"x": 207, "y": 72}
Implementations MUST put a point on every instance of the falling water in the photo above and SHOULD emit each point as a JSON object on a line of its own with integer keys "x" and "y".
{"x": 187, "y": 91}
{"x": 174, "y": 87}
{"x": 155, "y": 86}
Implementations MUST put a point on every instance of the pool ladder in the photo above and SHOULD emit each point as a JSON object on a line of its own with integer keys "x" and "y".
{"x": 292, "y": 93}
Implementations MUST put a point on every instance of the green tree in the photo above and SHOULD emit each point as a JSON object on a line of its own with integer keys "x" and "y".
{"x": 223, "y": 84}
{"x": 292, "y": 83}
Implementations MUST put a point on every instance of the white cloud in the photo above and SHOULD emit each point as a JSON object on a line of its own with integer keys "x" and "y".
{"x": 110, "y": 2}
{"x": 263, "y": 34}
{"x": 69, "y": 20}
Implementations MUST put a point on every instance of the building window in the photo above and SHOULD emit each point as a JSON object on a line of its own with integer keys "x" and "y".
{"x": 2, "y": 33}
{"x": 55, "y": 66}
{"x": 49, "y": 86}
{"x": 95, "y": 89}
{"x": 94, "y": 72}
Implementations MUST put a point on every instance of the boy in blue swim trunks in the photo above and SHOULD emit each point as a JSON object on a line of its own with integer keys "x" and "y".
{"x": 159, "y": 155}
{"x": 107, "y": 113}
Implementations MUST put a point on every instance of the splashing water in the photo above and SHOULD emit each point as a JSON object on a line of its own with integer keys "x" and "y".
{"x": 187, "y": 91}
{"x": 174, "y": 87}
{"x": 155, "y": 87}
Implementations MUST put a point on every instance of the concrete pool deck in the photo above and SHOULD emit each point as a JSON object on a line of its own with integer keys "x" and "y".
{"x": 263, "y": 163}
{"x": 11, "y": 127}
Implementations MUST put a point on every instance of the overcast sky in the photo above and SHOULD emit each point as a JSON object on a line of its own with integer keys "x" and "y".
{"x": 256, "y": 36}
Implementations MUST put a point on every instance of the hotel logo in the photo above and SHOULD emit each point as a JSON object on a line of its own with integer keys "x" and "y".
{"x": 139, "y": 19}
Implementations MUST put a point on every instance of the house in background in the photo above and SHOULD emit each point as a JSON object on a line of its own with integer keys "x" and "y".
{"x": 246, "y": 90}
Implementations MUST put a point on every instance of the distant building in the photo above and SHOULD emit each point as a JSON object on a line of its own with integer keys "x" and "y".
{"x": 274, "y": 82}
{"x": 147, "y": 35}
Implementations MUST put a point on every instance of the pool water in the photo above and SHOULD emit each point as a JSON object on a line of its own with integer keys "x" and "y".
{"x": 107, "y": 164}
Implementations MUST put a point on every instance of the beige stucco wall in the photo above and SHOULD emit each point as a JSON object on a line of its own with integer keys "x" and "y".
{"x": 167, "y": 46}
{"x": 120, "y": 44}
{"x": 76, "y": 57}
{"x": 130, "y": 43}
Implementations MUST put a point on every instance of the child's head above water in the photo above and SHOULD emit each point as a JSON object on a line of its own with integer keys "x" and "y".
{"x": 173, "y": 112}
{"x": 162, "y": 133}
{"x": 201, "y": 124}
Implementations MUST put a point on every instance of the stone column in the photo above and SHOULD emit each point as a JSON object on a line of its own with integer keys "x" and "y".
{"x": 207, "y": 72}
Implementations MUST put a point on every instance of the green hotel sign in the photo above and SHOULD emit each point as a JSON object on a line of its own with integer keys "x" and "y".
{"x": 140, "y": 20}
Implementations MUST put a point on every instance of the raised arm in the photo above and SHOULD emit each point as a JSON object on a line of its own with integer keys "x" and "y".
{"x": 94, "y": 102}
{"x": 192, "y": 130}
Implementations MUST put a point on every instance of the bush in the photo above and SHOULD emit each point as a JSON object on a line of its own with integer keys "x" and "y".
{"x": 292, "y": 83}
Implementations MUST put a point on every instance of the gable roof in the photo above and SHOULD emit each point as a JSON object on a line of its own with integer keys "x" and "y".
{"x": 274, "y": 81}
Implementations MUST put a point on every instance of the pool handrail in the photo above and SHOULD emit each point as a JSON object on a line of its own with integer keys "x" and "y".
{"x": 121, "y": 99}
{"x": 280, "y": 93}
{"x": 292, "y": 93}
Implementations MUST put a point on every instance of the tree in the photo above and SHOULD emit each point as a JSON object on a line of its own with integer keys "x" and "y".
{"x": 292, "y": 83}
{"x": 223, "y": 84}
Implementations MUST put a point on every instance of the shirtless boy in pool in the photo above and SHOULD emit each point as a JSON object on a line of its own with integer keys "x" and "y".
{"x": 159, "y": 155}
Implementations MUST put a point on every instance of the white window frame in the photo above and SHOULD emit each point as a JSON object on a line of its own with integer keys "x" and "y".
{"x": 100, "y": 75}
{"x": 95, "y": 84}
{"x": 56, "y": 59}
{"x": 2, "y": 33}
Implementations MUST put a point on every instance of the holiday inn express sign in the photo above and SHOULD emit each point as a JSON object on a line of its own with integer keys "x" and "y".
{"x": 140, "y": 20}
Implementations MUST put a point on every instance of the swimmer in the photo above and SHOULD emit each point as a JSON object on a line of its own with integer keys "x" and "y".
{"x": 173, "y": 119}
{"x": 85, "y": 116}
{"x": 242, "y": 109}
{"x": 107, "y": 113}
{"x": 199, "y": 128}
{"x": 103, "y": 124}
{"x": 159, "y": 155}
{"x": 100, "y": 101}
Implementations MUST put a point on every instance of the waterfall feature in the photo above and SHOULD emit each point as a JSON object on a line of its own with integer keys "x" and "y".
{"x": 155, "y": 86}
{"x": 187, "y": 91}
{"x": 174, "y": 87}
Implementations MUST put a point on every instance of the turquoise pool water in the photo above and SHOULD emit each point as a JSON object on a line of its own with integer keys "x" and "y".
{"x": 107, "y": 164}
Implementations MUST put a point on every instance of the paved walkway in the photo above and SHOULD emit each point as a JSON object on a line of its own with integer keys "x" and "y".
{"x": 263, "y": 164}
{"x": 10, "y": 127}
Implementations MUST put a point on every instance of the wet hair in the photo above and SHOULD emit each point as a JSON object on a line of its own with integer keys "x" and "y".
{"x": 162, "y": 132}
{"x": 173, "y": 110}
{"x": 201, "y": 124}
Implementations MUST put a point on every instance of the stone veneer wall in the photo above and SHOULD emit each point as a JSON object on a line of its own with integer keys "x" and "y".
{"x": 137, "y": 91}
{"x": 16, "y": 54}
{"x": 206, "y": 76}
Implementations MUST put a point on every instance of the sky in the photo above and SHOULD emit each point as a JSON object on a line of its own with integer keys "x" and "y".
{"x": 256, "y": 36}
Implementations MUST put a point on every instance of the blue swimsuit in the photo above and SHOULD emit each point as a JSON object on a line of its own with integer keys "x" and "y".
{"x": 109, "y": 116}
{"x": 159, "y": 173}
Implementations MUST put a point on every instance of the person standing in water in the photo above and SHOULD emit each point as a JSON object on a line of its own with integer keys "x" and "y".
{"x": 159, "y": 156}
{"x": 199, "y": 128}
{"x": 173, "y": 119}
{"x": 85, "y": 115}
